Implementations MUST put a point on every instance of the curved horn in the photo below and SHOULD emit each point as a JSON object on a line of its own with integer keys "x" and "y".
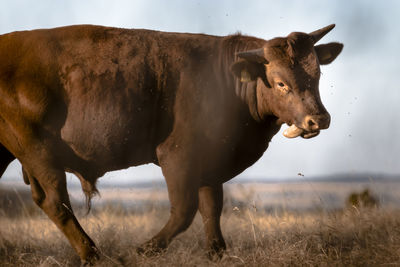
{"x": 256, "y": 55}
{"x": 318, "y": 34}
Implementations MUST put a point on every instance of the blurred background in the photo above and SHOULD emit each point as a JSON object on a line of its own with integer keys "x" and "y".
{"x": 275, "y": 211}
{"x": 359, "y": 88}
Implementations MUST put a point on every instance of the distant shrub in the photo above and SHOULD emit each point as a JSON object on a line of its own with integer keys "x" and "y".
{"x": 364, "y": 199}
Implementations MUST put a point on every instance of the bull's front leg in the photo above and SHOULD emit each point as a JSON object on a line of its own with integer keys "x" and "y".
{"x": 210, "y": 207}
{"x": 182, "y": 175}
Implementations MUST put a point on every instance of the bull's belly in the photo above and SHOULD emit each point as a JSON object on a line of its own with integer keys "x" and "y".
{"x": 106, "y": 147}
{"x": 111, "y": 129}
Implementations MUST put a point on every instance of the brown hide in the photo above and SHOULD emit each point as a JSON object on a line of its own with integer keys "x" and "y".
{"x": 89, "y": 99}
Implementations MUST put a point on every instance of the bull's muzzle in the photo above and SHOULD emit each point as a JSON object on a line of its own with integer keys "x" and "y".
{"x": 310, "y": 126}
{"x": 316, "y": 122}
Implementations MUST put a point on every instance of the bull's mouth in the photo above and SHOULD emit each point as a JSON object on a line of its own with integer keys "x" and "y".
{"x": 294, "y": 131}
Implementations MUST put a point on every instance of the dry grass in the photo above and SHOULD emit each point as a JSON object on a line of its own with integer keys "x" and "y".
{"x": 256, "y": 234}
{"x": 351, "y": 237}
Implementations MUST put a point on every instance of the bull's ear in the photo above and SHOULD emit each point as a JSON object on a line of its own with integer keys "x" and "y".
{"x": 328, "y": 52}
{"x": 247, "y": 71}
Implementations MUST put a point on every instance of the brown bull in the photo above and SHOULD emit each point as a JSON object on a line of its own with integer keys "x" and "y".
{"x": 90, "y": 99}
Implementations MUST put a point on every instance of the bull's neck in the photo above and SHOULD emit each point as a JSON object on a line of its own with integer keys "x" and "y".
{"x": 245, "y": 91}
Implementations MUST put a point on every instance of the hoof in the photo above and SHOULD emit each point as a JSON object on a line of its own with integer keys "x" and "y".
{"x": 151, "y": 248}
{"x": 91, "y": 258}
{"x": 216, "y": 251}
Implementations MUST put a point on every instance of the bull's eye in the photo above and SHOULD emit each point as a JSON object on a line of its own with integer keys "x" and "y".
{"x": 282, "y": 87}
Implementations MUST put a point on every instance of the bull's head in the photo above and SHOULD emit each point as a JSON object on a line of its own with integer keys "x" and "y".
{"x": 287, "y": 73}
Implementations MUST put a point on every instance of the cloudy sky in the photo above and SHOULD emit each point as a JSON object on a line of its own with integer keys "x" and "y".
{"x": 359, "y": 89}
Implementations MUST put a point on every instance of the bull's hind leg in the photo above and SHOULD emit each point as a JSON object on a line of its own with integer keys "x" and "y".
{"x": 5, "y": 159}
{"x": 49, "y": 191}
{"x": 210, "y": 207}
{"x": 183, "y": 184}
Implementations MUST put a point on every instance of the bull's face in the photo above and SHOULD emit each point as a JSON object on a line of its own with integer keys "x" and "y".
{"x": 287, "y": 71}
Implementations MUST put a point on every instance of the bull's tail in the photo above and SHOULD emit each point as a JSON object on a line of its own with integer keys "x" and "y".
{"x": 90, "y": 190}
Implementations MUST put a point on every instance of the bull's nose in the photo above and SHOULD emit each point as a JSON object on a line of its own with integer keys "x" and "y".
{"x": 316, "y": 122}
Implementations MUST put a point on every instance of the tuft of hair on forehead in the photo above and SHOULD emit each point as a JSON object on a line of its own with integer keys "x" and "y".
{"x": 299, "y": 45}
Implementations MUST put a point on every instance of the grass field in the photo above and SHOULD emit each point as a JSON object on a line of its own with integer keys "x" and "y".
{"x": 257, "y": 233}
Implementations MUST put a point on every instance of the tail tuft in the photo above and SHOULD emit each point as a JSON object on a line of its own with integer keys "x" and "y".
{"x": 90, "y": 190}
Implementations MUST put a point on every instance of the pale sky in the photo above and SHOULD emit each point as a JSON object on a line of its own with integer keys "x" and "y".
{"x": 359, "y": 89}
